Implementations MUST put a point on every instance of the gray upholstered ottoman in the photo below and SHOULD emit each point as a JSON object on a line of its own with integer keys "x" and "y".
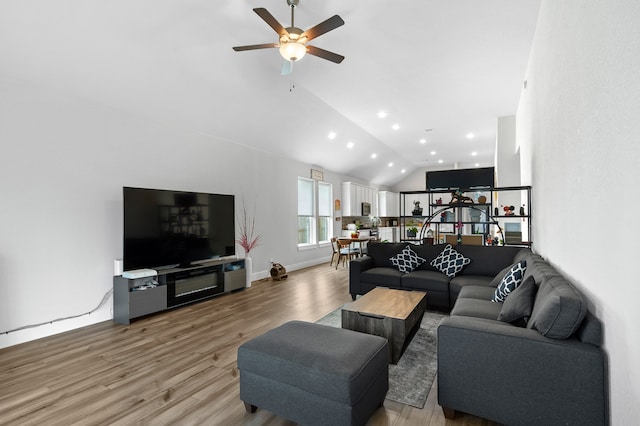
{"x": 315, "y": 374}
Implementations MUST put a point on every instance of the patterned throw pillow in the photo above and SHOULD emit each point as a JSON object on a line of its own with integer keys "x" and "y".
{"x": 407, "y": 260}
{"x": 450, "y": 262}
{"x": 510, "y": 281}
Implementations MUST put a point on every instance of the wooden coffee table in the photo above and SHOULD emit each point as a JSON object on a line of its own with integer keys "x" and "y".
{"x": 392, "y": 314}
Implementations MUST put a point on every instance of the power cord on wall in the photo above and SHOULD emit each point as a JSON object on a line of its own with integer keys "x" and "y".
{"x": 101, "y": 304}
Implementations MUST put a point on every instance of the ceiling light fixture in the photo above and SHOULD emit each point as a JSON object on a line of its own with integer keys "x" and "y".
{"x": 474, "y": 153}
{"x": 374, "y": 155}
{"x": 403, "y": 171}
{"x": 440, "y": 161}
{"x": 332, "y": 135}
{"x": 395, "y": 126}
{"x": 293, "y": 40}
{"x": 470, "y": 135}
{"x": 433, "y": 153}
{"x": 292, "y": 48}
{"x": 382, "y": 114}
{"x": 423, "y": 141}
{"x": 350, "y": 145}
{"x": 391, "y": 164}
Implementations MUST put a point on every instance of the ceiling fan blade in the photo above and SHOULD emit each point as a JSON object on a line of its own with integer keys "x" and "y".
{"x": 324, "y": 54}
{"x": 269, "y": 19}
{"x": 323, "y": 27}
{"x": 255, "y": 46}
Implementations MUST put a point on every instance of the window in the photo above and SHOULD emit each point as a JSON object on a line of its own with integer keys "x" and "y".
{"x": 325, "y": 225}
{"x": 314, "y": 212}
{"x": 306, "y": 212}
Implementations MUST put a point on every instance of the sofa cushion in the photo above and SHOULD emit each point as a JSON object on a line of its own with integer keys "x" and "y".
{"x": 510, "y": 281}
{"x": 461, "y": 281}
{"x": 476, "y": 308}
{"x": 428, "y": 252}
{"x": 517, "y": 308}
{"x": 382, "y": 252}
{"x": 426, "y": 281}
{"x": 559, "y": 308}
{"x": 384, "y": 277}
{"x": 488, "y": 260}
{"x": 482, "y": 292}
{"x": 498, "y": 278}
{"x": 407, "y": 260}
{"x": 523, "y": 254}
{"x": 450, "y": 262}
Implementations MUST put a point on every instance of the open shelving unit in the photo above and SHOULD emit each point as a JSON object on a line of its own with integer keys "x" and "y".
{"x": 481, "y": 216}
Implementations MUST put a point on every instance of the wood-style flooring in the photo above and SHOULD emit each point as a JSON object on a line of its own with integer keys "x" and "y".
{"x": 176, "y": 367}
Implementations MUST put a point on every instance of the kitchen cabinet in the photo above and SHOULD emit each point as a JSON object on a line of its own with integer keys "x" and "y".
{"x": 388, "y": 234}
{"x": 354, "y": 194}
{"x": 388, "y": 204}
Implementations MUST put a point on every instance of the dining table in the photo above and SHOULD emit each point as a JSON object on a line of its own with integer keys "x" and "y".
{"x": 360, "y": 241}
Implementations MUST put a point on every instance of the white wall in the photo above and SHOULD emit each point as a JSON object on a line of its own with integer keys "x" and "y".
{"x": 578, "y": 129}
{"x": 63, "y": 165}
{"x": 507, "y": 156}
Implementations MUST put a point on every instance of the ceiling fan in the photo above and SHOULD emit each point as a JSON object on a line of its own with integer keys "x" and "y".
{"x": 293, "y": 41}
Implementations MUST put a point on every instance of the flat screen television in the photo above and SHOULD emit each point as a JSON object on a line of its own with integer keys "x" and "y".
{"x": 461, "y": 179}
{"x": 164, "y": 228}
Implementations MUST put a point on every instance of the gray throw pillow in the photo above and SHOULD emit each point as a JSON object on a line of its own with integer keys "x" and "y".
{"x": 517, "y": 308}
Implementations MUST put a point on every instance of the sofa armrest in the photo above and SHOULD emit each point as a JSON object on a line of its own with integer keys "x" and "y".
{"x": 356, "y": 267}
{"x": 515, "y": 375}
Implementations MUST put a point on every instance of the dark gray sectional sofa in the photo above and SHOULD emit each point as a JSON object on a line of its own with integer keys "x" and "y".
{"x": 547, "y": 368}
{"x": 369, "y": 272}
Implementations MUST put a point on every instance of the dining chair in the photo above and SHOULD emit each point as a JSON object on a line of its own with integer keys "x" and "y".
{"x": 345, "y": 251}
{"x": 363, "y": 248}
{"x": 335, "y": 253}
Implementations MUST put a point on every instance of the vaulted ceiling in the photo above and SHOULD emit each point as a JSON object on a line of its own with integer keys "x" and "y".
{"x": 439, "y": 69}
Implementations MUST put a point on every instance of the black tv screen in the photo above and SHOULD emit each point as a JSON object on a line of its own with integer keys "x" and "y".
{"x": 461, "y": 179}
{"x": 165, "y": 228}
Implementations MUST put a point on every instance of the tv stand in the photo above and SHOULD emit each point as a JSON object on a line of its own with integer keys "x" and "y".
{"x": 175, "y": 286}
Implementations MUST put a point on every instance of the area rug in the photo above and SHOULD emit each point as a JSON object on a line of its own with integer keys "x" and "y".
{"x": 410, "y": 380}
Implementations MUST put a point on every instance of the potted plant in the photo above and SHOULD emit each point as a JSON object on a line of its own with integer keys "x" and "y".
{"x": 412, "y": 231}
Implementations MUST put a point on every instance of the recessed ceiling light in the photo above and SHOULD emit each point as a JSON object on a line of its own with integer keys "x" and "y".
{"x": 423, "y": 141}
{"x": 350, "y": 145}
{"x": 332, "y": 135}
{"x": 403, "y": 171}
{"x": 474, "y": 153}
{"x": 391, "y": 164}
{"x": 374, "y": 155}
{"x": 440, "y": 161}
{"x": 382, "y": 114}
{"x": 433, "y": 153}
{"x": 477, "y": 164}
{"x": 470, "y": 135}
{"x": 395, "y": 126}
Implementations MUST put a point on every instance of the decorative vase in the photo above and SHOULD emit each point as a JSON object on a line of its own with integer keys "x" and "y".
{"x": 247, "y": 269}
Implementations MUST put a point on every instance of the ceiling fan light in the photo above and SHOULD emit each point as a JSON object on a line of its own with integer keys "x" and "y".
{"x": 292, "y": 51}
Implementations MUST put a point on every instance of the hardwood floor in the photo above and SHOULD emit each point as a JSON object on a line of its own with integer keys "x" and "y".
{"x": 177, "y": 367}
